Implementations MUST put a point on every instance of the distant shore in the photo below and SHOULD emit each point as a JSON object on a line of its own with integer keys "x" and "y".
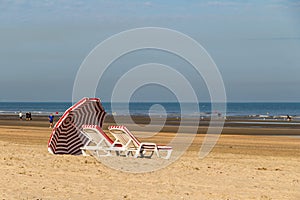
{"x": 232, "y": 125}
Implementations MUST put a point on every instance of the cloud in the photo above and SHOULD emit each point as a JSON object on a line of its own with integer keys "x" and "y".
{"x": 148, "y": 3}
{"x": 224, "y": 3}
{"x": 277, "y": 38}
{"x": 295, "y": 4}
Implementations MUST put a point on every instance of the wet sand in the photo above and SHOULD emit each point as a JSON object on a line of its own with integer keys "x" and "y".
{"x": 248, "y": 162}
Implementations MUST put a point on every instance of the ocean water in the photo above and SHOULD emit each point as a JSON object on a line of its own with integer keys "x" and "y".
{"x": 156, "y": 108}
{"x": 37, "y": 108}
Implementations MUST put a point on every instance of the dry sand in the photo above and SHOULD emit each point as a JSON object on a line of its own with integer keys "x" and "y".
{"x": 239, "y": 167}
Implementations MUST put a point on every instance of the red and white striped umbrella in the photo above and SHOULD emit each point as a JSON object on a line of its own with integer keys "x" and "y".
{"x": 66, "y": 137}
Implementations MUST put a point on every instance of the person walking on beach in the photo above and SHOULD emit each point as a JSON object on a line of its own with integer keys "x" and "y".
{"x": 51, "y": 119}
{"x": 27, "y": 116}
{"x": 20, "y": 115}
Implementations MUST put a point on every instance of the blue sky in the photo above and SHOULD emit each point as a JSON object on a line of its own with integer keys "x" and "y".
{"x": 255, "y": 44}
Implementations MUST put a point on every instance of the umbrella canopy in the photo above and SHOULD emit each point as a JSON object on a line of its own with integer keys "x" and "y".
{"x": 66, "y": 137}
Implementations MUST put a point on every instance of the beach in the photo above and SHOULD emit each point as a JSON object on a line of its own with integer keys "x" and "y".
{"x": 249, "y": 161}
{"x": 192, "y": 100}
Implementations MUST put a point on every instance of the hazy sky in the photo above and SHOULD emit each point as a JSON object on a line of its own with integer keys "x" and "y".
{"x": 255, "y": 44}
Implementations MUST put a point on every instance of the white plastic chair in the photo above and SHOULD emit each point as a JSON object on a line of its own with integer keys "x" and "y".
{"x": 132, "y": 145}
{"x": 99, "y": 143}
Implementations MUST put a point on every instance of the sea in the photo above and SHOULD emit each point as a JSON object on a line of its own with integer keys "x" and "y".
{"x": 265, "y": 109}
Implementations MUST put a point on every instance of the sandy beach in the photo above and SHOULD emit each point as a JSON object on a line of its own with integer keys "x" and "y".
{"x": 208, "y": 89}
{"x": 247, "y": 163}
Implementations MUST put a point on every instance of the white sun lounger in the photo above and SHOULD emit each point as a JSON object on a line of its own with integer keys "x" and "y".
{"x": 99, "y": 143}
{"x": 133, "y": 145}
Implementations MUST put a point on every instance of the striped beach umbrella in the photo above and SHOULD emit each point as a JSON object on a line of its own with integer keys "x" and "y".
{"x": 66, "y": 137}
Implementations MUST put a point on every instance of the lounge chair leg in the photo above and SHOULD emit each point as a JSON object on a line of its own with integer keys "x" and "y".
{"x": 168, "y": 154}
{"x": 136, "y": 155}
{"x": 157, "y": 153}
{"x": 84, "y": 153}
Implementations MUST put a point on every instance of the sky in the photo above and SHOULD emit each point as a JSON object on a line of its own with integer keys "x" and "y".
{"x": 255, "y": 45}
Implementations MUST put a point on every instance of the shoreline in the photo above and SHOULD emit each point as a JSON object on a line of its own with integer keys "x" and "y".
{"x": 240, "y": 126}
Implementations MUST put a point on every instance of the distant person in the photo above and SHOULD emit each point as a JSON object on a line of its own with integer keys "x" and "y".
{"x": 20, "y": 115}
{"x": 29, "y": 116}
{"x": 289, "y": 118}
{"x": 51, "y": 120}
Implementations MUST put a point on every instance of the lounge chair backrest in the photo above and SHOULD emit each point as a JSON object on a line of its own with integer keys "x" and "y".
{"x": 124, "y": 136}
{"x": 96, "y": 134}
